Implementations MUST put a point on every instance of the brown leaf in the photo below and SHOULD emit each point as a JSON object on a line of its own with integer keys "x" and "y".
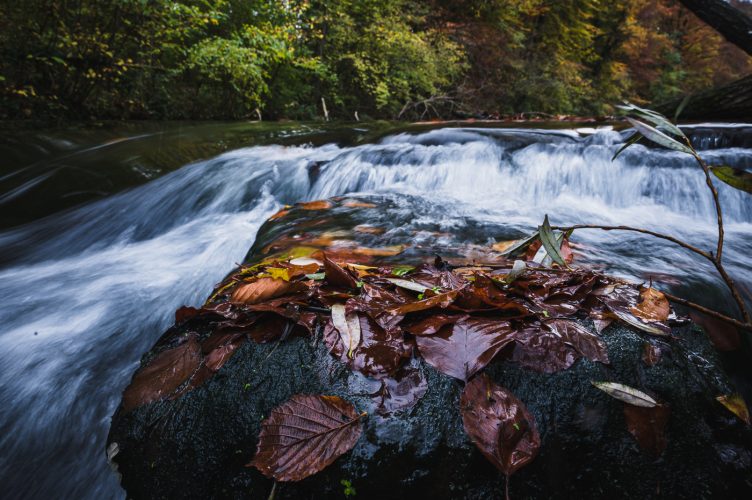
{"x": 585, "y": 343}
{"x": 357, "y": 204}
{"x": 651, "y": 354}
{"x": 338, "y": 276}
{"x": 263, "y": 289}
{"x": 653, "y": 305}
{"x": 163, "y": 375}
{"x": 462, "y": 349}
{"x": 402, "y": 391}
{"x": 433, "y": 323}
{"x": 379, "y": 352}
{"x": 442, "y": 300}
{"x": 304, "y": 435}
{"x": 499, "y": 425}
{"x": 541, "y": 350}
{"x": 379, "y": 252}
{"x": 724, "y": 337}
{"x": 315, "y": 205}
{"x": 736, "y": 405}
{"x": 368, "y": 229}
{"x": 648, "y": 426}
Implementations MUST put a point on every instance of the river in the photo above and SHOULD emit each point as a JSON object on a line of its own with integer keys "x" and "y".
{"x": 105, "y": 233}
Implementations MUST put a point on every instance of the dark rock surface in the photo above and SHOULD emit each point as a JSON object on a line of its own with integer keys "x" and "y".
{"x": 196, "y": 446}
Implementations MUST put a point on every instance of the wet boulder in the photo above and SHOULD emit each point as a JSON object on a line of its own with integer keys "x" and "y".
{"x": 190, "y": 421}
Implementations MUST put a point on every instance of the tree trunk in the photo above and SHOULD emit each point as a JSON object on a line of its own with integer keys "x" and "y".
{"x": 729, "y": 102}
{"x": 733, "y": 24}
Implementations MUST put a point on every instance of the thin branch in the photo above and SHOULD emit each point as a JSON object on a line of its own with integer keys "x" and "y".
{"x": 709, "y": 312}
{"x": 662, "y": 236}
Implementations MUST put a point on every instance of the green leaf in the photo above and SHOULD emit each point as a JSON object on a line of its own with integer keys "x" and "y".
{"x": 629, "y": 395}
{"x": 520, "y": 246}
{"x": 734, "y": 177}
{"x": 631, "y": 141}
{"x": 681, "y": 107}
{"x": 657, "y": 119}
{"x": 316, "y": 276}
{"x": 659, "y": 137}
{"x": 549, "y": 242}
{"x": 401, "y": 270}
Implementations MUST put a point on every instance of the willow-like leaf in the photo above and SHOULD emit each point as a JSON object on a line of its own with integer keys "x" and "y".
{"x": 659, "y": 137}
{"x": 734, "y": 177}
{"x": 550, "y": 242}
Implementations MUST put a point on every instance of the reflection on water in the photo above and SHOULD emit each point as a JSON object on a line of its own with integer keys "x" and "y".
{"x": 87, "y": 290}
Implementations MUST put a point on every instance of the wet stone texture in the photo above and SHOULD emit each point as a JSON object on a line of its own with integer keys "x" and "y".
{"x": 197, "y": 445}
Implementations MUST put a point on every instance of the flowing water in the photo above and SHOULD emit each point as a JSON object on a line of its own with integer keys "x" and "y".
{"x": 86, "y": 290}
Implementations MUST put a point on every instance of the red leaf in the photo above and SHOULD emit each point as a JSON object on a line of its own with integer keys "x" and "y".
{"x": 648, "y": 426}
{"x": 499, "y": 425}
{"x": 304, "y": 435}
{"x": 651, "y": 354}
{"x": 402, "y": 391}
{"x": 723, "y": 336}
{"x": 460, "y": 350}
{"x": 163, "y": 375}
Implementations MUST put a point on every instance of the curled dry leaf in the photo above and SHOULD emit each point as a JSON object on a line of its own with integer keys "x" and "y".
{"x": 304, "y": 435}
{"x": 653, "y": 305}
{"x": 736, "y": 405}
{"x": 627, "y": 394}
{"x": 348, "y": 327}
{"x": 499, "y": 425}
{"x": 263, "y": 289}
{"x": 163, "y": 375}
{"x": 648, "y": 426}
{"x": 465, "y": 347}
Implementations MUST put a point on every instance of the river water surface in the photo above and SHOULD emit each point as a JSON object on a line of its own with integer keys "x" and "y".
{"x": 105, "y": 233}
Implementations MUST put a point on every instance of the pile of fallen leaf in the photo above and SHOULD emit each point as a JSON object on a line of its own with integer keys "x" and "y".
{"x": 375, "y": 319}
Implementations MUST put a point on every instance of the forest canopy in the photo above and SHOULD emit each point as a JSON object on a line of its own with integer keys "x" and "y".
{"x": 220, "y": 59}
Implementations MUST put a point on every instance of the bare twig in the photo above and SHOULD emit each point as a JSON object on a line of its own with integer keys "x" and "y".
{"x": 662, "y": 236}
{"x": 709, "y": 312}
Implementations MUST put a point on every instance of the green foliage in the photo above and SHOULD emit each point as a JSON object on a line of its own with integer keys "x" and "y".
{"x": 173, "y": 59}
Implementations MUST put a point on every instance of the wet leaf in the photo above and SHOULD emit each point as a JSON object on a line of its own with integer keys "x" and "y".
{"x": 648, "y": 426}
{"x": 442, "y": 300}
{"x": 724, "y": 337}
{"x": 518, "y": 269}
{"x": 315, "y": 205}
{"x": 304, "y": 435}
{"x": 736, "y": 405}
{"x": 651, "y": 354}
{"x": 499, "y": 424}
{"x": 163, "y": 375}
{"x": 634, "y": 139}
{"x": 401, "y": 270}
{"x": 316, "y": 276}
{"x": 379, "y": 353}
{"x": 408, "y": 285}
{"x": 658, "y": 137}
{"x": 550, "y": 242}
{"x": 585, "y": 343}
{"x": 368, "y": 229}
{"x": 657, "y": 119}
{"x": 337, "y": 276}
{"x": 654, "y": 305}
{"x": 516, "y": 247}
{"x": 263, "y": 289}
{"x": 627, "y": 394}
{"x": 402, "y": 391}
{"x": 305, "y": 261}
{"x": 462, "y": 349}
{"x": 348, "y": 327}
{"x": 358, "y": 204}
{"x": 380, "y": 252}
{"x": 433, "y": 323}
{"x": 734, "y": 177}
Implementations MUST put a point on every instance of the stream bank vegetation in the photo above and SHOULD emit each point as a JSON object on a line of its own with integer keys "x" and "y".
{"x": 227, "y": 59}
{"x": 521, "y": 301}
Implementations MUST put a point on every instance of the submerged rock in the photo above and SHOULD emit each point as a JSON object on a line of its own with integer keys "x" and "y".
{"x": 414, "y": 445}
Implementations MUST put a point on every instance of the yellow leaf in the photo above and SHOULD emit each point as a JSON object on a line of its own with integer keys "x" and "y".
{"x": 736, "y": 405}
